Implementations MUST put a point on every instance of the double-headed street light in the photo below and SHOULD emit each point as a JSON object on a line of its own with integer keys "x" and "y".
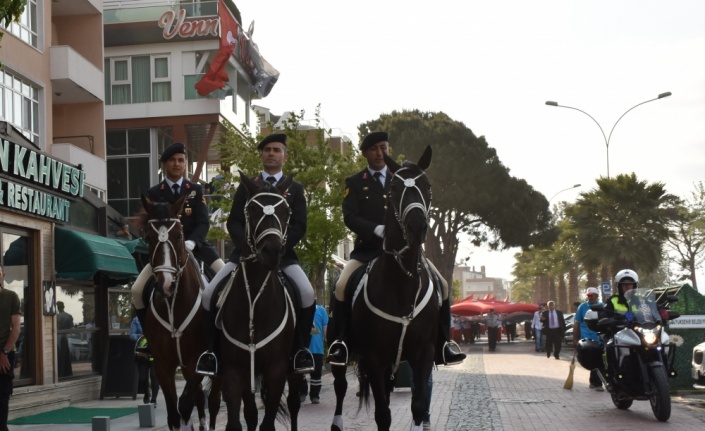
{"x": 607, "y": 138}
{"x": 561, "y": 191}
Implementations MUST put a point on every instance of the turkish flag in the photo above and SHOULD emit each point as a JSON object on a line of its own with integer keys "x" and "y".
{"x": 216, "y": 77}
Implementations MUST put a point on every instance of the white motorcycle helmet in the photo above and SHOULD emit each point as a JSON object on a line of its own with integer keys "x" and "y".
{"x": 624, "y": 276}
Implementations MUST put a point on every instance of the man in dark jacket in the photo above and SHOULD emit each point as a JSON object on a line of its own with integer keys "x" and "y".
{"x": 364, "y": 206}
{"x": 194, "y": 218}
{"x": 273, "y": 152}
{"x": 554, "y": 327}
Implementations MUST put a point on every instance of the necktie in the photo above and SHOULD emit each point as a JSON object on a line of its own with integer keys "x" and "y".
{"x": 553, "y": 320}
{"x": 175, "y": 187}
{"x": 272, "y": 179}
{"x": 378, "y": 177}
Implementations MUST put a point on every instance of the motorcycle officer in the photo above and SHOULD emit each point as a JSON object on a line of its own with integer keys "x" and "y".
{"x": 618, "y": 304}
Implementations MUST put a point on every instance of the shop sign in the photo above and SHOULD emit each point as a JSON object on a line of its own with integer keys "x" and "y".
{"x": 29, "y": 180}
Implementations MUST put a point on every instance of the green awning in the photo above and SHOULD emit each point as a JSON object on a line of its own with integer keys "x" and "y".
{"x": 79, "y": 256}
{"x": 135, "y": 245}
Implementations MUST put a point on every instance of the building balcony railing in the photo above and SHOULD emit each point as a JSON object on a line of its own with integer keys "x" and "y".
{"x": 116, "y": 12}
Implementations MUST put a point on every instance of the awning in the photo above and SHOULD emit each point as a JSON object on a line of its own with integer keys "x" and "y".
{"x": 79, "y": 256}
{"x": 135, "y": 245}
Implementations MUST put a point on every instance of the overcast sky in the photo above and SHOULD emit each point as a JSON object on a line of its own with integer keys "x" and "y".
{"x": 492, "y": 65}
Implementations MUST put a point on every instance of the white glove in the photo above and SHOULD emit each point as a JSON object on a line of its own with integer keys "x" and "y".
{"x": 190, "y": 245}
{"x": 379, "y": 231}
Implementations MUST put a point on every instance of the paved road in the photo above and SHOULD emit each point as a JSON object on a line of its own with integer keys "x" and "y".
{"x": 511, "y": 389}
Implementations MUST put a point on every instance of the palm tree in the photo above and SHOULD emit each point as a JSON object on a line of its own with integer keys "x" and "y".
{"x": 623, "y": 223}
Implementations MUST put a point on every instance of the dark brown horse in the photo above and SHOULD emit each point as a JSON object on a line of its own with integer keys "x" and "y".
{"x": 258, "y": 315}
{"x": 173, "y": 325}
{"x": 396, "y": 306}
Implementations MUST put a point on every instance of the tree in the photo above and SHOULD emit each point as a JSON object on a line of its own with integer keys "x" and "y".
{"x": 688, "y": 234}
{"x": 623, "y": 223}
{"x": 473, "y": 192}
{"x": 10, "y": 11}
{"x": 321, "y": 169}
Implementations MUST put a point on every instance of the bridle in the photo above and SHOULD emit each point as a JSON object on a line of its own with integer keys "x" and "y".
{"x": 268, "y": 210}
{"x": 163, "y": 237}
{"x": 400, "y": 216}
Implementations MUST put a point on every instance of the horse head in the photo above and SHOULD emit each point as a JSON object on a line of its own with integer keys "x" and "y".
{"x": 266, "y": 220}
{"x": 410, "y": 197}
{"x": 163, "y": 232}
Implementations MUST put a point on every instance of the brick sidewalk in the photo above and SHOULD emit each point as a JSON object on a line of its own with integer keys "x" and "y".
{"x": 512, "y": 389}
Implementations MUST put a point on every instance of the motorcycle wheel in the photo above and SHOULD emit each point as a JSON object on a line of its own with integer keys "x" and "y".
{"x": 660, "y": 394}
{"x": 621, "y": 403}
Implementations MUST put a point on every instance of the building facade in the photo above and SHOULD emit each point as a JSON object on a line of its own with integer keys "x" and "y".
{"x": 478, "y": 284}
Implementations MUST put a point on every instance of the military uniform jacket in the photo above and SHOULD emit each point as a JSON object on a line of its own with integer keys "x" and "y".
{"x": 297, "y": 223}
{"x": 364, "y": 206}
{"x": 194, "y": 217}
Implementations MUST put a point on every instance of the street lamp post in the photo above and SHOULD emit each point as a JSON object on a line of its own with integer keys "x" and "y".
{"x": 608, "y": 137}
{"x": 561, "y": 191}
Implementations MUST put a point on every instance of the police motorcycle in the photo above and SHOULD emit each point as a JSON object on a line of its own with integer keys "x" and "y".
{"x": 636, "y": 357}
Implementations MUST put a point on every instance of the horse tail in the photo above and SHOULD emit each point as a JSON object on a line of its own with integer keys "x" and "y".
{"x": 364, "y": 381}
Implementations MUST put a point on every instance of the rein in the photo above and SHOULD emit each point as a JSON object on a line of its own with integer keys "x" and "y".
{"x": 409, "y": 183}
{"x": 163, "y": 237}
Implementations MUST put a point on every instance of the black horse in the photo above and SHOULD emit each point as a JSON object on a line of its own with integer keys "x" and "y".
{"x": 258, "y": 315}
{"x": 396, "y": 305}
{"x": 174, "y": 325}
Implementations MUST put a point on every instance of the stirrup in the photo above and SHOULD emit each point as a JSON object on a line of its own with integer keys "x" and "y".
{"x": 345, "y": 348}
{"x": 306, "y": 369}
{"x": 203, "y": 358}
{"x": 455, "y": 348}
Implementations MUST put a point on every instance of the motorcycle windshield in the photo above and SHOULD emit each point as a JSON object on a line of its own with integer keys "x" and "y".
{"x": 642, "y": 306}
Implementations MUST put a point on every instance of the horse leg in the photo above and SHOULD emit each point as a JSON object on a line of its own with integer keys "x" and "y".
{"x": 231, "y": 394}
{"x": 340, "y": 385}
{"x": 421, "y": 371}
{"x": 377, "y": 375}
{"x": 272, "y": 390}
{"x": 165, "y": 376}
{"x": 192, "y": 393}
{"x": 214, "y": 399}
{"x": 293, "y": 399}
{"x": 250, "y": 410}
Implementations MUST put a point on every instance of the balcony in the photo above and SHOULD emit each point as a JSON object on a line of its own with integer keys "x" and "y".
{"x": 74, "y": 79}
{"x": 76, "y": 7}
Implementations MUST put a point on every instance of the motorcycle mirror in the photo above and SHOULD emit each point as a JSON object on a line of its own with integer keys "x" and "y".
{"x": 672, "y": 298}
{"x": 597, "y": 307}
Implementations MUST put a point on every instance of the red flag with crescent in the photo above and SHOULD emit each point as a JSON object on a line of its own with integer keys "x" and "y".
{"x": 216, "y": 77}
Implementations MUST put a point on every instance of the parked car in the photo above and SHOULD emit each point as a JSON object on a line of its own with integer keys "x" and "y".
{"x": 569, "y": 320}
{"x": 698, "y": 368}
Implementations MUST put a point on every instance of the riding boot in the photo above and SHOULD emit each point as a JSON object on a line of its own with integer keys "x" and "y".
{"x": 141, "y": 348}
{"x": 447, "y": 351}
{"x": 303, "y": 359}
{"x": 338, "y": 350}
{"x": 208, "y": 361}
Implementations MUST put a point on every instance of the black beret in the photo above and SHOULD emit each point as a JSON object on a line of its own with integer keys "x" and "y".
{"x": 175, "y": 148}
{"x": 372, "y": 139}
{"x": 274, "y": 137}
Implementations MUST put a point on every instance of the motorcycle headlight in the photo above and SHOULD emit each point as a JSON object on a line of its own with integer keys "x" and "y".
{"x": 650, "y": 336}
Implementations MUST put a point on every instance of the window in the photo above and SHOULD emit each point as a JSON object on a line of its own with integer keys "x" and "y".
{"x": 138, "y": 79}
{"x": 77, "y": 332}
{"x": 26, "y": 28}
{"x": 128, "y": 164}
{"x": 16, "y": 246}
{"x": 19, "y": 104}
